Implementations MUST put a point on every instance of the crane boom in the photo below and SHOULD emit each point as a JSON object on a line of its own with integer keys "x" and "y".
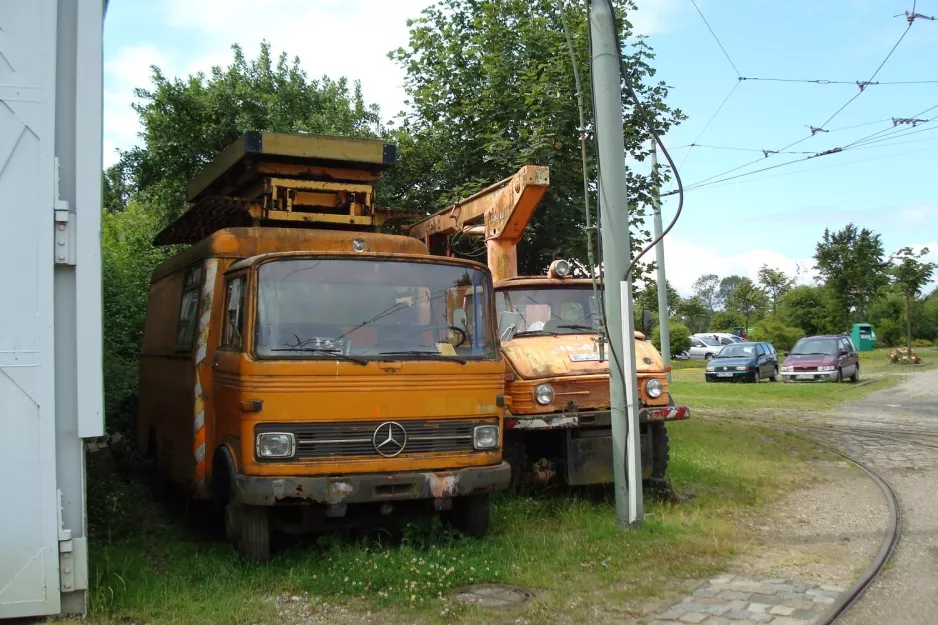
{"x": 499, "y": 213}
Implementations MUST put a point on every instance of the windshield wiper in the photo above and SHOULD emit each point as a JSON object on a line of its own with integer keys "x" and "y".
{"x": 428, "y": 355}
{"x": 577, "y": 326}
{"x": 532, "y": 333}
{"x": 322, "y": 350}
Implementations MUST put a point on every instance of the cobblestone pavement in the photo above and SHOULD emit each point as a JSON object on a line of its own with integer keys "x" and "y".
{"x": 742, "y": 600}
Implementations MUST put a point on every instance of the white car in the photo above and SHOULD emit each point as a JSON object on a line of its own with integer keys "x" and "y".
{"x": 703, "y": 348}
{"x": 722, "y": 337}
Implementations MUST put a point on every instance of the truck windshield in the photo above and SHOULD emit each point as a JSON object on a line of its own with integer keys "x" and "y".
{"x": 372, "y": 309}
{"x": 548, "y": 310}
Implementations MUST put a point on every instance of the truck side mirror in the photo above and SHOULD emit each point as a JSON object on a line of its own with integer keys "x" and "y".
{"x": 648, "y": 322}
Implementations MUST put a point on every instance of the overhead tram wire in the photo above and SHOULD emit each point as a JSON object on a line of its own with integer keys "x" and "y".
{"x": 863, "y": 84}
{"x": 739, "y": 80}
{"x": 813, "y": 130}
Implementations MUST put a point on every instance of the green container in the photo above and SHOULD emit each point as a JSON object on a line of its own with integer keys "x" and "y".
{"x": 863, "y": 337}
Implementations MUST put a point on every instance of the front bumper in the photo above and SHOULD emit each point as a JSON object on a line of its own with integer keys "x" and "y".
{"x": 809, "y": 376}
{"x": 591, "y": 418}
{"x": 268, "y": 491}
{"x": 721, "y": 376}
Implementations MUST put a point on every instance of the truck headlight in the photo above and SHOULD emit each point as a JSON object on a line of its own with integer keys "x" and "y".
{"x": 654, "y": 388}
{"x": 275, "y": 445}
{"x": 826, "y": 368}
{"x": 544, "y": 394}
{"x": 485, "y": 437}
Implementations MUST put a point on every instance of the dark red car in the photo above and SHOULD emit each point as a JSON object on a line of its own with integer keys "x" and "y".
{"x": 822, "y": 359}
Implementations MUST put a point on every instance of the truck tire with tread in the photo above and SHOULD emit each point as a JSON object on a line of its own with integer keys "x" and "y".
{"x": 470, "y": 514}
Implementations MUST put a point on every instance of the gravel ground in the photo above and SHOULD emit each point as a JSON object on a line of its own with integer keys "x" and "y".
{"x": 903, "y": 448}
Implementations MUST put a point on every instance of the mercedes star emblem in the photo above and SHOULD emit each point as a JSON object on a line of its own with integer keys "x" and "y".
{"x": 389, "y": 439}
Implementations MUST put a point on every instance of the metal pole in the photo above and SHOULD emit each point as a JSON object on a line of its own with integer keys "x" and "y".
{"x": 664, "y": 321}
{"x": 616, "y": 247}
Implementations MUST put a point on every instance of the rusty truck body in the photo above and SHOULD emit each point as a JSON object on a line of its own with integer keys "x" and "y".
{"x": 303, "y": 370}
{"x": 557, "y": 375}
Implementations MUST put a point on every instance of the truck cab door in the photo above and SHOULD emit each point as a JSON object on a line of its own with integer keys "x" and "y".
{"x": 226, "y": 362}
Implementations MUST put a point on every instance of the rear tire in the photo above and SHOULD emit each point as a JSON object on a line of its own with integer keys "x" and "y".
{"x": 470, "y": 515}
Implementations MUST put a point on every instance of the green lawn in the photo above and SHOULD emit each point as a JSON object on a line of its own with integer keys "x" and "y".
{"x": 149, "y": 564}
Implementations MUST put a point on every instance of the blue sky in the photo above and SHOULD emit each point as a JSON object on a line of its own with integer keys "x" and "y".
{"x": 774, "y": 217}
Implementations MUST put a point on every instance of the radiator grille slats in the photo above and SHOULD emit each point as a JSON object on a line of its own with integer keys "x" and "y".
{"x": 354, "y": 438}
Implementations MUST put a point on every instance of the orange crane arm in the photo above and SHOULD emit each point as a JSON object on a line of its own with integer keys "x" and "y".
{"x": 499, "y": 213}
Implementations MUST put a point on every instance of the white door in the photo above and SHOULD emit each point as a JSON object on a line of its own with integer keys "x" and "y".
{"x": 29, "y": 577}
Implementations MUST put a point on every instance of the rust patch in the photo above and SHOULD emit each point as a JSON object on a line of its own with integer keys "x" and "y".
{"x": 443, "y": 485}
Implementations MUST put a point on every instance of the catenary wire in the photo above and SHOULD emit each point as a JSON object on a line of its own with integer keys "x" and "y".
{"x": 715, "y": 38}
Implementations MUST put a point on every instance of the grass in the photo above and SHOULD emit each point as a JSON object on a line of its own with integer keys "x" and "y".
{"x": 150, "y": 564}
{"x": 688, "y": 386}
{"x": 562, "y": 546}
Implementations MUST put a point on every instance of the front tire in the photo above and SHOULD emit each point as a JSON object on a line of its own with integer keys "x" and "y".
{"x": 774, "y": 377}
{"x": 856, "y": 375}
{"x": 248, "y": 529}
{"x": 756, "y": 378}
{"x": 470, "y": 515}
{"x": 839, "y": 377}
{"x": 661, "y": 450}
{"x": 708, "y": 356}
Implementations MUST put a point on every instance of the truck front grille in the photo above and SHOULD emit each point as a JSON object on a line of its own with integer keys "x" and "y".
{"x": 356, "y": 438}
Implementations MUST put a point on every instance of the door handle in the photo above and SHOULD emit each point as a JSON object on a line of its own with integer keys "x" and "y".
{"x": 215, "y": 365}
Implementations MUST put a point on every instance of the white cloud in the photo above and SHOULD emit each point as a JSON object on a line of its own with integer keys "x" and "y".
{"x": 653, "y": 17}
{"x": 685, "y": 261}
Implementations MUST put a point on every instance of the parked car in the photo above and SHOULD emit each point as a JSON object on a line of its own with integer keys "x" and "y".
{"x": 703, "y": 348}
{"x": 822, "y": 359}
{"x": 747, "y": 362}
{"x": 723, "y": 338}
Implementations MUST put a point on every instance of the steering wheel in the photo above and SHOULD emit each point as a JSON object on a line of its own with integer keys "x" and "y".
{"x": 462, "y": 333}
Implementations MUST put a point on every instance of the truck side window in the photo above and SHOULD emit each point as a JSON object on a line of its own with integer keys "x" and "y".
{"x": 234, "y": 314}
{"x": 191, "y": 289}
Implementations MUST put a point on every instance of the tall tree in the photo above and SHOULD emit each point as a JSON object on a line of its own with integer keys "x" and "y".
{"x": 187, "y": 122}
{"x": 851, "y": 263}
{"x": 492, "y": 88}
{"x": 910, "y": 274}
{"x": 808, "y": 308}
{"x": 776, "y": 283}
{"x": 694, "y": 313}
{"x": 648, "y": 298}
{"x": 749, "y": 300}
{"x": 707, "y": 288}
{"x": 727, "y": 286}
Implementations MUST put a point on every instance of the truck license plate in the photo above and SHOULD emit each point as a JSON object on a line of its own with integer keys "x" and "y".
{"x": 584, "y": 357}
{"x": 724, "y": 375}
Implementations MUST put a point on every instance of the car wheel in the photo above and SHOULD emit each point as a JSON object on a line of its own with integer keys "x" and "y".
{"x": 856, "y": 374}
{"x": 839, "y": 377}
{"x": 708, "y": 356}
{"x": 774, "y": 377}
{"x": 756, "y": 377}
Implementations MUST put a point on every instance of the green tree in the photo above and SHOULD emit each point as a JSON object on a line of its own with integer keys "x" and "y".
{"x": 776, "y": 283}
{"x": 492, "y": 88}
{"x": 707, "y": 288}
{"x": 648, "y": 298}
{"x": 808, "y": 308}
{"x": 726, "y": 321}
{"x": 851, "y": 263}
{"x": 127, "y": 260}
{"x": 910, "y": 274}
{"x": 679, "y": 337}
{"x": 748, "y": 300}
{"x": 781, "y": 336}
{"x": 694, "y": 313}
{"x": 725, "y": 291}
{"x": 930, "y": 314}
{"x": 187, "y": 122}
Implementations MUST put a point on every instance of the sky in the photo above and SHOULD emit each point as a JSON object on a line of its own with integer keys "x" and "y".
{"x": 732, "y": 225}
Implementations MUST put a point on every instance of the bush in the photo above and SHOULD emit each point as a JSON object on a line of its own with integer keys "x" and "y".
{"x": 726, "y": 321}
{"x": 777, "y": 333}
{"x": 889, "y": 333}
{"x": 679, "y": 334}
{"x": 922, "y": 343}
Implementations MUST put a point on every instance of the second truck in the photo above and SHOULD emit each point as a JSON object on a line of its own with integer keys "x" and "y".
{"x": 557, "y": 380}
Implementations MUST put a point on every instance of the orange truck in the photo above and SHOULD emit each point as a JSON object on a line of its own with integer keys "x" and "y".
{"x": 557, "y": 381}
{"x": 304, "y": 371}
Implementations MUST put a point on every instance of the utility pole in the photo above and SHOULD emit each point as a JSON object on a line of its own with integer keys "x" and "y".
{"x": 616, "y": 247}
{"x": 664, "y": 321}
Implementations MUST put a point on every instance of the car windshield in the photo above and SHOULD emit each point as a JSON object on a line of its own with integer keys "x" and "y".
{"x": 738, "y": 350}
{"x": 819, "y": 347}
{"x": 372, "y": 309}
{"x": 553, "y": 310}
